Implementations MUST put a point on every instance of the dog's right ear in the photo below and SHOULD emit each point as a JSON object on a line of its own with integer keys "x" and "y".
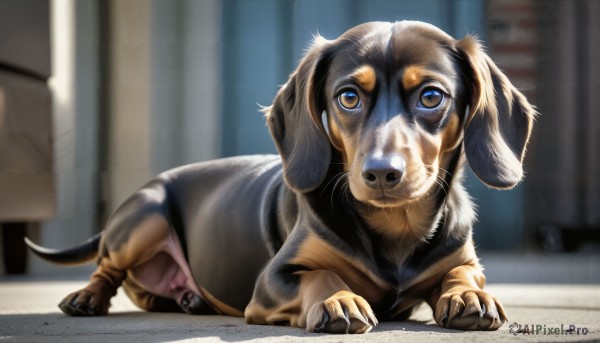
{"x": 294, "y": 121}
{"x": 499, "y": 124}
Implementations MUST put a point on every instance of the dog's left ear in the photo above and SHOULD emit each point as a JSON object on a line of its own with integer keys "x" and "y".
{"x": 294, "y": 121}
{"x": 499, "y": 122}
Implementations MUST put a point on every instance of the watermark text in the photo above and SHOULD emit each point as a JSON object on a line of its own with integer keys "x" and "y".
{"x": 548, "y": 330}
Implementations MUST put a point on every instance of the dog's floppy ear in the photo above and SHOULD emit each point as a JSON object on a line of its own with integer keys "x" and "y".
{"x": 499, "y": 122}
{"x": 295, "y": 124}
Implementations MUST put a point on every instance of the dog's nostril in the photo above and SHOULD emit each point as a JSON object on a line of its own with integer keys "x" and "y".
{"x": 370, "y": 177}
{"x": 392, "y": 176}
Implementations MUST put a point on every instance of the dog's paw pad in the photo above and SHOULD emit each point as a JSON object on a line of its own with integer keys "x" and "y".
{"x": 344, "y": 312}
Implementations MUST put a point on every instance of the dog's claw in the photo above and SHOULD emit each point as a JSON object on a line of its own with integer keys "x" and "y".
{"x": 469, "y": 310}
{"x": 321, "y": 327}
{"x": 444, "y": 321}
{"x": 344, "y": 312}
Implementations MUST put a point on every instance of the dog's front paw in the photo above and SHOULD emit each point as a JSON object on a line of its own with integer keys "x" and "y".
{"x": 469, "y": 309}
{"x": 343, "y": 312}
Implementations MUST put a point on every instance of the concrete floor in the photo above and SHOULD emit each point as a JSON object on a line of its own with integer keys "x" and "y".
{"x": 28, "y": 313}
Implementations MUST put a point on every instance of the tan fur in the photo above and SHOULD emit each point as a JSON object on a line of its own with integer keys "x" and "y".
{"x": 415, "y": 75}
{"x": 320, "y": 291}
{"x": 366, "y": 77}
{"x": 336, "y": 138}
{"x": 139, "y": 296}
{"x": 451, "y": 135}
{"x": 323, "y": 291}
{"x": 289, "y": 312}
{"x": 315, "y": 253}
{"x": 111, "y": 270}
{"x": 412, "y": 76}
{"x": 409, "y": 224}
{"x": 460, "y": 301}
{"x": 219, "y": 306}
{"x": 464, "y": 256}
{"x": 143, "y": 244}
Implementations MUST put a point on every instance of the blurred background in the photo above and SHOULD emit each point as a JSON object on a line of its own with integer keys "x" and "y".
{"x": 96, "y": 97}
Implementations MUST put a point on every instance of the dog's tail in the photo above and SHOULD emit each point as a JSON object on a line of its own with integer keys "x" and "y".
{"x": 79, "y": 254}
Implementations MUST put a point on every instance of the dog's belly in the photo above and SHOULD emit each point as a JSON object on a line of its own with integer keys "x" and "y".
{"x": 226, "y": 259}
{"x": 223, "y": 216}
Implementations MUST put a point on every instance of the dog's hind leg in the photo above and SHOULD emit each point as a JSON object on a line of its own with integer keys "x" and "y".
{"x": 164, "y": 283}
{"x": 94, "y": 299}
{"x": 141, "y": 247}
{"x": 149, "y": 258}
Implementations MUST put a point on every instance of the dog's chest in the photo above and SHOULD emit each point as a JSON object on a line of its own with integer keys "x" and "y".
{"x": 391, "y": 258}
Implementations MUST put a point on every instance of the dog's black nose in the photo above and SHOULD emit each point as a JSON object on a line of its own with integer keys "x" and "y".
{"x": 383, "y": 172}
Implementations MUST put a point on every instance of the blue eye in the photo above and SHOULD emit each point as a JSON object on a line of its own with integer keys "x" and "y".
{"x": 431, "y": 97}
{"x": 349, "y": 100}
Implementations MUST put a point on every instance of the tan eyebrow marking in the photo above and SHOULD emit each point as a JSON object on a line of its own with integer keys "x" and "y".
{"x": 366, "y": 77}
{"x": 413, "y": 76}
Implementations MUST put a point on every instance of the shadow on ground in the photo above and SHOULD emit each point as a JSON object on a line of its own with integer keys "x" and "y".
{"x": 162, "y": 327}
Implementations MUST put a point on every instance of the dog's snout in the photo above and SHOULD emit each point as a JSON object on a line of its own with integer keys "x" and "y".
{"x": 383, "y": 172}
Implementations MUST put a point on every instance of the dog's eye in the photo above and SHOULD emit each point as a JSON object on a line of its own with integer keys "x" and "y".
{"x": 431, "y": 98}
{"x": 349, "y": 100}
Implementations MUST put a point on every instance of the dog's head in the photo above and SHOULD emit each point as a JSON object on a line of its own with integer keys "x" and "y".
{"x": 398, "y": 98}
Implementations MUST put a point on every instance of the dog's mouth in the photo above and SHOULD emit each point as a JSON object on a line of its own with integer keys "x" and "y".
{"x": 382, "y": 199}
{"x": 385, "y": 201}
{"x": 401, "y": 195}
{"x": 416, "y": 182}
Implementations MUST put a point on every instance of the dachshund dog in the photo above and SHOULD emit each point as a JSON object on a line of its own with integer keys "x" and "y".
{"x": 361, "y": 217}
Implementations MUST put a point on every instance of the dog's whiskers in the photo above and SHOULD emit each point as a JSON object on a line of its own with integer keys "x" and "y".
{"x": 332, "y": 179}
{"x": 341, "y": 182}
{"x": 386, "y": 215}
{"x": 439, "y": 180}
{"x": 441, "y": 184}
{"x": 445, "y": 171}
